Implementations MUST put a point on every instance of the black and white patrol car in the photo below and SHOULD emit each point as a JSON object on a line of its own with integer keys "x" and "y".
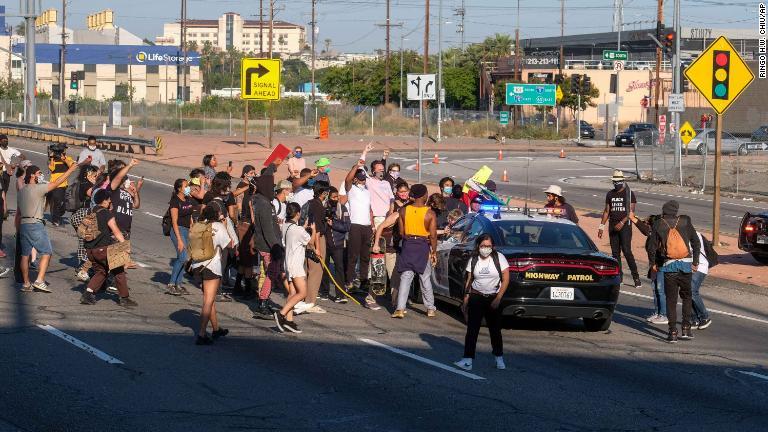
{"x": 556, "y": 271}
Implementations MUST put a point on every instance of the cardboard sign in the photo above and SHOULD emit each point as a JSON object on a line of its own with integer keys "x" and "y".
{"x": 280, "y": 152}
{"x": 118, "y": 254}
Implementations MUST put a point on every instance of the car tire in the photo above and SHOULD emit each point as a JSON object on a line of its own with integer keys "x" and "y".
{"x": 701, "y": 149}
{"x": 595, "y": 325}
{"x": 743, "y": 150}
{"x": 762, "y": 259}
{"x": 617, "y": 144}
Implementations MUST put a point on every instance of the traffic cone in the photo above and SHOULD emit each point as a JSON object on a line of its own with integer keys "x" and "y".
{"x": 500, "y": 156}
{"x": 436, "y": 159}
{"x": 562, "y": 153}
{"x": 417, "y": 167}
{"x": 504, "y": 177}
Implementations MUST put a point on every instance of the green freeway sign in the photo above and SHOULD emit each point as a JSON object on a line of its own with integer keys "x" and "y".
{"x": 615, "y": 55}
{"x": 531, "y": 94}
{"x": 504, "y": 117}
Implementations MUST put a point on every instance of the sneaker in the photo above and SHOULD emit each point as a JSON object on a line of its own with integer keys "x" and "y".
{"x": 41, "y": 286}
{"x": 127, "y": 302}
{"x": 672, "y": 336}
{"x": 431, "y": 313}
{"x": 182, "y": 290}
{"x": 638, "y": 283}
{"x": 301, "y": 307}
{"x": 112, "y": 289}
{"x": 203, "y": 340}
{"x": 172, "y": 289}
{"x": 82, "y": 276}
{"x": 223, "y": 298}
{"x": 4, "y": 271}
{"x": 659, "y": 319}
{"x": 316, "y": 309}
{"x": 500, "y": 363}
{"x": 398, "y": 314}
{"x": 221, "y": 332}
{"x": 464, "y": 364}
{"x": 88, "y": 298}
{"x": 651, "y": 318}
{"x": 280, "y": 321}
{"x": 371, "y": 304}
{"x": 26, "y": 288}
{"x": 704, "y": 324}
{"x": 323, "y": 297}
{"x": 291, "y": 327}
{"x": 340, "y": 300}
{"x": 2, "y": 254}
{"x": 686, "y": 334}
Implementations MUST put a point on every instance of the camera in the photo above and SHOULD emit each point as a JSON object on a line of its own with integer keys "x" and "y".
{"x": 57, "y": 151}
{"x": 311, "y": 255}
{"x": 330, "y": 212}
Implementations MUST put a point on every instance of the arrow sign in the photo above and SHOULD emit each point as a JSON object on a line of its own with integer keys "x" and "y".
{"x": 417, "y": 83}
{"x": 250, "y": 72}
{"x": 260, "y": 79}
{"x": 422, "y": 87}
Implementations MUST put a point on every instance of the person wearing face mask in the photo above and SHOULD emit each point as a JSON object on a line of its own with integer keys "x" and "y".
{"x": 248, "y": 188}
{"x": 323, "y": 171}
{"x": 87, "y": 179}
{"x": 9, "y": 155}
{"x": 391, "y": 235}
{"x": 360, "y": 233}
{"x": 487, "y": 280}
{"x": 282, "y": 191}
{"x": 97, "y": 156}
{"x": 266, "y": 240}
{"x": 393, "y": 175}
{"x": 339, "y": 224}
{"x": 297, "y": 163}
{"x": 457, "y": 200}
{"x": 180, "y": 209}
{"x": 316, "y": 216}
{"x": 619, "y": 203}
{"x": 125, "y": 196}
{"x": 302, "y": 191}
{"x": 58, "y": 163}
{"x": 382, "y": 198}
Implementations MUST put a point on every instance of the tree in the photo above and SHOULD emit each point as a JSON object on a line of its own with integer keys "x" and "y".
{"x": 460, "y": 87}
{"x": 571, "y": 100}
{"x": 21, "y": 29}
{"x": 295, "y": 73}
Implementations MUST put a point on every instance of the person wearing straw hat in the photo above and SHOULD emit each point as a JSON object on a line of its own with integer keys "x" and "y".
{"x": 619, "y": 203}
{"x": 555, "y": 200}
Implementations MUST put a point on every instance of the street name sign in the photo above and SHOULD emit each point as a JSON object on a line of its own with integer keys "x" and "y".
{"x": 720, "y": 74}
{"x": 615, "y": 55}
{"x": 531, "y": 94}
{"x": 260, "y": 79}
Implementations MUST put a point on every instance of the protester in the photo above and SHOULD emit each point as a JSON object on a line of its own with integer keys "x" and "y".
{"x": 210, "y": 272}
{"x": 58, "y": 164}
{"x": 446, "y": 187}
{"x": 220, "y": 197}
{"x": 282, "y": 190}
{"x": 247, "y": 259}
{"x": 323, "y": 166}
{"x": 456, "y": 200}
{"x": 700, "y": 313}
{"x": 302, "y": 187}
{"x": 380, "y": 190}
{"x": 295, "y": 239}
{"x": 393, "y": 175}
{"x": 316, "y": 217}
{"x": 657, "y": 277}
{"x": 31, "y": 230}
{"x": 108, "y": 233}
{"x": 9, "y": 156}
{"x": 436, "y": 202}
{"x": 209, "y": 169}
{"x": 675, "y": 236}
{"x": 126, "y": 196}
{"x": 180, "y": 209}
{"x": 97, "y": 156}
{"x": 359, "y": 241}
{"x": 339, "y": 223}
{"x": 86, "y": 180}
{"x": 475, "y": 204}
{"x": 266, "y": 239}
{"x": 556, "y": 200}
{"x": 486, "y": 282}
{"x": 297, "y": 163}
{"x": 619, "y": 203}
{"x": 418, "y": 228}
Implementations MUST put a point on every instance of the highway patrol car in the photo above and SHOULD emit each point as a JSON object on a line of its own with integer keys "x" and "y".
{"x": 556, "y": 271}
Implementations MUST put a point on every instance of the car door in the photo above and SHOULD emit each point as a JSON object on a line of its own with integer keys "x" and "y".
{"x": 710, "y": 142}
{"x": 440, "y": 277}
{"x": 460, "y": 254}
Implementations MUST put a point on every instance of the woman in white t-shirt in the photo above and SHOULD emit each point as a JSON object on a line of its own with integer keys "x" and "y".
{"x": 210, "y": 272}
{"x": 295, "y": 240}
{"x": 487, "y": 280}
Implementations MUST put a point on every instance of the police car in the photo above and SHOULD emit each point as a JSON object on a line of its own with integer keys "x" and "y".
{"x": 556, "y": 271}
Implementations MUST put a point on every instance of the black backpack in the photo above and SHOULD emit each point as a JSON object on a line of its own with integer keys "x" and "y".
{"x": 475, "y": 259}
{"x": 709, "y": 251}
{"x": 72, "y": 201}
{"x": 167, "y": 224}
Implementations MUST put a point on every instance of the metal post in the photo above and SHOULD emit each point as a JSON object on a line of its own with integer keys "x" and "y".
{"x": 62, "y": 60}
{"x": 271, "y": 36}
{"x": 618, "y": 48}
{"x": 372, "y": 109}
{"x": 578, "y": 117}
{"x": 716, "y": 192}
{"x": 678, "y": 89}
{"x": 313, "y": 25}
{"x": 439, "y": 69}
{"x": 30, "y": 13}
{"x": 401, "y": 74}
{"x": 245, "y": 127}
{"x": 421, "y": 135}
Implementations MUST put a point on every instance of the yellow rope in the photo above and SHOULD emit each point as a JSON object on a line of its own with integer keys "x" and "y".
{"x": 322, "y": 262}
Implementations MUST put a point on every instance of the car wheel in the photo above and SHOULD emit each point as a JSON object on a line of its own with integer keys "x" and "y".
{"x": 743, "y": 151}
{"x": 701, "y": 149}
{"x": 762, "y": 259}
{"x": 594, "y": 325}
{"x": 617, "y": 144}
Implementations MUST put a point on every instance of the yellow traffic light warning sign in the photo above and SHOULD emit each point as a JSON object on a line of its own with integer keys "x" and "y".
{"x": 687, "y": 133}
{"x": 558, "y": 94}
{"x": 260, "y": 79}
{"x": 719, "y": 74}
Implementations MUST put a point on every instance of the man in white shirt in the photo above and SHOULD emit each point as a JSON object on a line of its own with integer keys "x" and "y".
{"x": 700, "y": 313}
{"x": 97, "y": 156}
{"x": 304, "y": 192}
{"x": 281, "y": 197}
{"x": 360, "y": 232}
{"x": 10, "y": 156}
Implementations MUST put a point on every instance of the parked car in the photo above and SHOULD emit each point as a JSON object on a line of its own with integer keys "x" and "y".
{"x": 760, "y": 134}
{"x": 587, "y": 131}
{"x": 638, "y": 134}
{"x": 704, "y": 143}
{"x": 753, "y": 235}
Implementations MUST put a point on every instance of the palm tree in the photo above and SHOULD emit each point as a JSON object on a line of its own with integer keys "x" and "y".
{"x": 327, "y": 48}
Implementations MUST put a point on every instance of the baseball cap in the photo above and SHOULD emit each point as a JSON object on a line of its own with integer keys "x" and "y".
{"x": 283, "y": 184}
{"x": 360, "y": 175}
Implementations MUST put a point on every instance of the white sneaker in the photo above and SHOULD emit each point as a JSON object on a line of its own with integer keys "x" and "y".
{"x": 302, "y": 307}
{"x": 659, "y": 319}
{"x": 651, "y": 318}
{"x": 315, "y": 309}
{"x": 465, "y": 364}
{"x": 500, "y": 363}
{"x": 82, "y": 276}
{"x": 112, "y": 290}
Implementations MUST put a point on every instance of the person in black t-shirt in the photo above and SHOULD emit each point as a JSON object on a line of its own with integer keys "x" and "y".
{"x": 180, "y": 208}
{"x": 109, "y": 233}
{"x": 125, "y": 195}
{"x": 619, "y": 203}
{"x": 87, "y": 179}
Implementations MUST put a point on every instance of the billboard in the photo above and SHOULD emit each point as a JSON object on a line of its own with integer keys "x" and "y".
{"x": 113, "y": 54}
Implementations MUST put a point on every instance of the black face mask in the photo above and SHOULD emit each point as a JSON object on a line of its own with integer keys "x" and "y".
{"x": 618, "y": 185}
{"x": 4, "y": 144}
{"x": 333, "y": 203}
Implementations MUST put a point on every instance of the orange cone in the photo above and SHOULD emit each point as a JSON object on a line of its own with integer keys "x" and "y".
{"x": 436, "y": 159}
{"x": 504, "y": 177}
{"x": 562, "y": 153}
{"x": 500, "y": 155}
{"x": 417, "y": 167}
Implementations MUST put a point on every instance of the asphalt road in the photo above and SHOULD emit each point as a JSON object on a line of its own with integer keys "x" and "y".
{"x": 355, "y": 369}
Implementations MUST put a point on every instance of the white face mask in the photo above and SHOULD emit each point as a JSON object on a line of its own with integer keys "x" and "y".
{"x": 41, "y": 179}
{"x": 485, "y": 252}
{"x": 92, "y": 147}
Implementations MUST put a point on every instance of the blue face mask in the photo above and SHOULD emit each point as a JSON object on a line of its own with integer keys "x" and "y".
{"x": 187, "y": 190}
{"x": 311, "y": 182}
{"x": 297, "y": 155}
{"x": 448, "y": 190}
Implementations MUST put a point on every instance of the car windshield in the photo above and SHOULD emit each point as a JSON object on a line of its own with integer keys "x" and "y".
{"x": 530, "y": 233}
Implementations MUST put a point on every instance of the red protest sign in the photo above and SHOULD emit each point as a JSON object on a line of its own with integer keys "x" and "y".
{"x": 280, "y": 152}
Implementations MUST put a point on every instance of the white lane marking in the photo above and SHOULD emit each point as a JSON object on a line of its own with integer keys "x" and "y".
{"x": 715, "y": 311}
{"x": 422, "y": 359}
{"x": 151, "y": 180}
{"x": 32, "y": 151}
{"x": 80, "y": 344}
{"x": 142, "y": 265}
{"x": 754, "y": 374}
{"x": 599, "y": 168}
{"x": 153, "y": 215}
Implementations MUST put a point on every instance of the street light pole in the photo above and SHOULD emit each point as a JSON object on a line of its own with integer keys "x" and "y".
{"x": 402, "y": 38}
{"x": 618, "y": 48}
{"x": 677, "y": 85}
{"x": 439, "y": 70}
{"x": 30, "y": 105}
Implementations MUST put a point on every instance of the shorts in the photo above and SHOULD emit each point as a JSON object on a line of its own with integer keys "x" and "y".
{"x": 35, "y": 236}
{"x": 208, "y": 275}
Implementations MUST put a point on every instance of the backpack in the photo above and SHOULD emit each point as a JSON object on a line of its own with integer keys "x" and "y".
{"x": 304, "y": 213}
{"x": 88, "y": 230}
{"x": 709, "y": 251}
{"x": 166, "y": 223}
{"x": 676, "y": 247}
{"x": 72, "y": 201}
{"x": 473, "y": 264}
{"x": 200, "y": 245}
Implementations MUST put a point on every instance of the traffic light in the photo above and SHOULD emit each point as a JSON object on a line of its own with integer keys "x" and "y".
{"x": 721, "y": 70}
{"x": 72, "y": 105}
{"x": 586, "y": 84}
{"x": 669, "y": 42}
{"x": 559, "y": 79}
{"x": 575, "y": 84}
{"x": 614, "y": 84}
{"x": 684, "y": 84}
{"x": 659, "y": 31}
{"x": 74, "y": 84}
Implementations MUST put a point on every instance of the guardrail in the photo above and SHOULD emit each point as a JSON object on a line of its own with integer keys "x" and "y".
{"x": 124, "y": 144}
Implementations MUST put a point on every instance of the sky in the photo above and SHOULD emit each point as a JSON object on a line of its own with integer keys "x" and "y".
{"x": 351, "y": 25}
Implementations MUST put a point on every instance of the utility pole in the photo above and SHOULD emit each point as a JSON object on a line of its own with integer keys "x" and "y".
{"x": 561, "y": 60}
{"x": 439, "y": 70}
{"x": 313, "y": 25}
{"x": 518, "y": 71}
{"x": 425, "y": 103}
{"x": 460, "y": 12}
{"x": 261, "y": 28}
{"x": 620, "y": 16}
{"x": 676, "y": 88}
{"x": 30, "y": 13}
{"x": 657, "y": 81}
{"x": 386, "y": 62}
{"x": 62, "y": 60}
{"x": 271, "y": 35}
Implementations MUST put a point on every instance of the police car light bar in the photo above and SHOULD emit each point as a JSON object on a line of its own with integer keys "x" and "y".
{"x": 533, "y": 210}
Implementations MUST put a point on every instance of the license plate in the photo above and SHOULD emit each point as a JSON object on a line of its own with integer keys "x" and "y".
{"x": 762, "y": 239}
{"x": 623, "y": 140}
{"x": 561, "y": 293}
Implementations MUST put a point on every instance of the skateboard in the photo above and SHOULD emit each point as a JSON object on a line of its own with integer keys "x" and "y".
{"x": 377, "y": 272}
